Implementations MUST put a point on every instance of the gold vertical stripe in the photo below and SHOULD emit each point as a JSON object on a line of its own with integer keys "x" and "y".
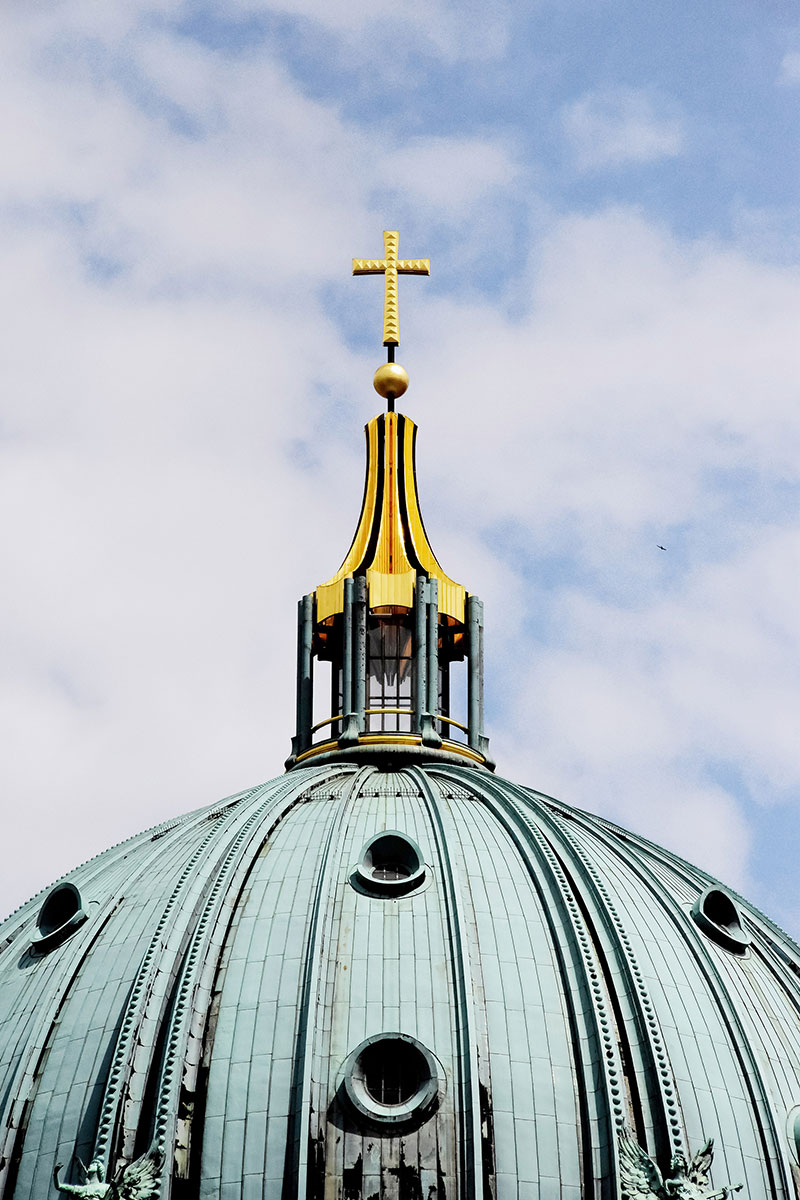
{"x": 390, "y": 574}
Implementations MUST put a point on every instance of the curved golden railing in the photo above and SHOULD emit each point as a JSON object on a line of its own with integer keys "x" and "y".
{"x": 376, "y": 712}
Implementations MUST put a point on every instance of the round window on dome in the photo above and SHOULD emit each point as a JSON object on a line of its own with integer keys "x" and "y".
{"x": 60, "y": 915}
{"x": 793, "y": 1131}
{"x": 392, "y": 1079}
{"x": 390, "y": 864}
{"x": 718, "y": 915}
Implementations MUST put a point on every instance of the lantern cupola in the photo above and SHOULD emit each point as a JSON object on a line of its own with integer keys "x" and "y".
{"x": 390, "y": 649}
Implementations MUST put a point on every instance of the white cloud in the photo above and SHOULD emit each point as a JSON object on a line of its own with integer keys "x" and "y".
{"x": 430, "y": 166}
{"x": 386, "y": 33}
{"x": 176, "y": 391}
{"x": 640, "y": 709}
{"x": 790, "y": 68}
{"x": 649, "y": 380}
{"x": 620, "y": 126}
{"x": 392, "y": 31}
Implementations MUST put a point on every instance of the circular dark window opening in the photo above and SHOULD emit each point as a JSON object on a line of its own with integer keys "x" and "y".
{"x": 392, "y": 1079}
{"x": 719, "y": 918}
{"x": 720, "y": 909}
{"x": 393, "y": 1071}
{"x": 390, "y": 864}
{"x": 59, "y": 907}
{"x": 60, "y": 915}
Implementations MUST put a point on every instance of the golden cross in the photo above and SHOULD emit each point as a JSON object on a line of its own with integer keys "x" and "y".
{"x": 391, "y": 266}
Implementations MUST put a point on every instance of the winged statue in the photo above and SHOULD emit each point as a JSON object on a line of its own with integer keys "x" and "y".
{"x": 138, "y": 1180}
{"x": 640, "y": 1178}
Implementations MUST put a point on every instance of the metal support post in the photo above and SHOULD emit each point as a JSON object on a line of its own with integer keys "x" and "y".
{"x": 360, "y": 652}
{"x": 349, "y": 730}
{"x": 420, "y": 652}
{"x": 476, "y": 737}
{"x": 430, "y": 734}
{"x": 305, "y": 674}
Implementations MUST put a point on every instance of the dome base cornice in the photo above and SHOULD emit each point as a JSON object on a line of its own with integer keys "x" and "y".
{"x": 392, "y": 751}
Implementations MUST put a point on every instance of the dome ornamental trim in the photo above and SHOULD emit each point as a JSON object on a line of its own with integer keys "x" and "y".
{"x": 593, "y": 1023}
{"x": 635, "y": 853}
{"x": 645, "y": 1048}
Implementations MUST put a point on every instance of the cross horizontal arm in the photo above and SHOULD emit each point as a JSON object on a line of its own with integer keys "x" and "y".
{"x": 414, "y": 266}
{"x": 369, "y": 266}
{"x": 404, "y": 266}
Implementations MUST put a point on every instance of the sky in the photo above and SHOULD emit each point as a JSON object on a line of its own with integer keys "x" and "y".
{"x": 604, "y": 361}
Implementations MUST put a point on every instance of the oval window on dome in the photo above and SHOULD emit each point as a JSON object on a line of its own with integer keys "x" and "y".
{"x": 390, "y": 864}
{"x": 718, "y": 915}
{"x": 60, "y": 915}
{"x": 392, "y": 1079}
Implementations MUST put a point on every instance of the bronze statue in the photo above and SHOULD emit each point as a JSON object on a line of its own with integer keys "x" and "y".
{"x": 136, "y": 1181}
{"x": 640, "y": 1178}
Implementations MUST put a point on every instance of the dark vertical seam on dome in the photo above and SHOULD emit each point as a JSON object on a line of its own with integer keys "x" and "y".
{"x": 668, "y": 858}
{"x": 140, "y": 1136}
{"x": 295, "y": 1179}
{"x": 39, "y": 1042}
{"x": 466, "y": 1068}
{"x": 142, "y": 992}
{"x": 198, "y": 965}
{"x": 690, "y": 874}
{"x": 213, "y": 988}
{"x": 766, "y": 954}
{"x": 86, "y": 874}
{"x": 658, "y": 1070}
{"x": 609, "y": 1111}
{"x": 484, "y": 1066}
{"x": 750, "y": 1069}
{"x": 31, "y": 1034}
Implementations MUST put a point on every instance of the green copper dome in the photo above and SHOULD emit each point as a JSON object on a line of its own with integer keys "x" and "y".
{"x": 422, "y": 983}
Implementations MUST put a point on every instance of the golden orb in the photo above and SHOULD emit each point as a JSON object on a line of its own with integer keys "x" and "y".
{"x": 390, "y": 381}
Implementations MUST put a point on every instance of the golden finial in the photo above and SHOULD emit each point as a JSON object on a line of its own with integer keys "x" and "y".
{"x": 390, "y": 381}
{"x": 390, "y": 266}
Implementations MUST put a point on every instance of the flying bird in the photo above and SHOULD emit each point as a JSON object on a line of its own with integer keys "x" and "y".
{"x": 662, "y": 547}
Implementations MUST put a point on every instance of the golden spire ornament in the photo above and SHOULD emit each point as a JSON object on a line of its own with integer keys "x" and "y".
{"x": 390, "y": 379}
